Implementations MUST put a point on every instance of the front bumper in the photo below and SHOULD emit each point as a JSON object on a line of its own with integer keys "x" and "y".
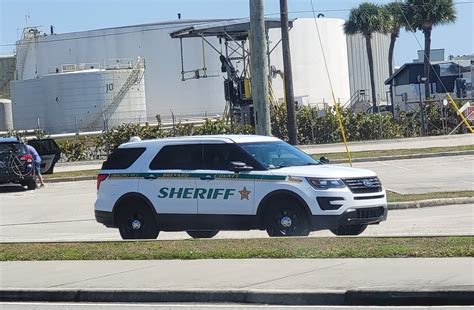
{"x": 352, "y": 216}
{"x": 106, "y": 218}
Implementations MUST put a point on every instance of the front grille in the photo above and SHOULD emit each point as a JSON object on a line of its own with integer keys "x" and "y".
{"x": 367, "y": 213}
{"x": 364, "y": 185}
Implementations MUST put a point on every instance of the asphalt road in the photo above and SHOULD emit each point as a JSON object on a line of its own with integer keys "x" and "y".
{"x": 64, "y": 212}
{"x": 185, "y": 306}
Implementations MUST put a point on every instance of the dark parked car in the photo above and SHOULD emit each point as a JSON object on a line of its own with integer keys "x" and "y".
{"x": 16, "y": 163}
{"x": 49, "y": 152}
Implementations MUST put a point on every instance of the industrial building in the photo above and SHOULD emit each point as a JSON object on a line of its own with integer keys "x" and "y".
{"x": 91, "y": 80}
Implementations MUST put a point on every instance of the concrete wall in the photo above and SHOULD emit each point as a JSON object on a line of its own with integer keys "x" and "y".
{"x": 71, "y": 101}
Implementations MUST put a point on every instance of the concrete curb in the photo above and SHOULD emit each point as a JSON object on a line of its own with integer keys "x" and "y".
{"x": 71, "y": 179}
{"x": 442, "y": 296}
{"x": 429, "y": 203}
{"x": 397, "y": 157}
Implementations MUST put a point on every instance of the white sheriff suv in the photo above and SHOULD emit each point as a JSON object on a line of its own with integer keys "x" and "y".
{"x": 204, "y": 184}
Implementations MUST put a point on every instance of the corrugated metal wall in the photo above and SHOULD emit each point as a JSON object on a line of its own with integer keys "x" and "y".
{"x": 359, "y": 77}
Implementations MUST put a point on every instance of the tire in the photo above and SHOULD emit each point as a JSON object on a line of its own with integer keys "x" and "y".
{"x": 202, "y": 234}
{"x": 286, "y": 218}
{"x": 349, "y": 230}
{"x": 137, "y": 222}
{"x": 31, "y": 184}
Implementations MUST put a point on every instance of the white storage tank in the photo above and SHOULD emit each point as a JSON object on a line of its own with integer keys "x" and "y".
{"x": 84, "y": 100}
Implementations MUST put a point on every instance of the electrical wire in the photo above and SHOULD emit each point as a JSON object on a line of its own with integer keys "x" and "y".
{"x": 412, "y": 29}
{"x": 331, "y": 86}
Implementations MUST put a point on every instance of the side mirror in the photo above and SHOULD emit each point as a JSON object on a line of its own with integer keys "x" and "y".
{"x": 324, "y": 160}
{"x": 238, "y": 166}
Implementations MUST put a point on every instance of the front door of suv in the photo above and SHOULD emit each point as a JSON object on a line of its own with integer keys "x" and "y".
{"x": 169, "y": 182}
{"x": 220, "y": 190}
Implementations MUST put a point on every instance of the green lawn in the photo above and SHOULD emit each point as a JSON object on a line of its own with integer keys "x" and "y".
{"x": 395, "y": 197}
{"x": 379, "y": 153}
{"x": 68, "y": 174}
{"x": 305, "y": 247}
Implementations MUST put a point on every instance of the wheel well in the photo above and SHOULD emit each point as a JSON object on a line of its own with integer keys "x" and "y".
{"x": 131, "y": 198}
{"x": 277, "y": 195}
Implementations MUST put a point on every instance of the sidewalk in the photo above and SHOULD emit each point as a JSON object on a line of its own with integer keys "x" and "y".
{"x": 305, "y": 280}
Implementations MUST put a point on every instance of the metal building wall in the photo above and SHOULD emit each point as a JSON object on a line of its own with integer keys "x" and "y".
{"x": 359, "y": 77}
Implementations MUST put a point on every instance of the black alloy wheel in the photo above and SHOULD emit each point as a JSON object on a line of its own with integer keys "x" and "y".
{"x": 137, "y": 222}
{"x": 286, "y": 219}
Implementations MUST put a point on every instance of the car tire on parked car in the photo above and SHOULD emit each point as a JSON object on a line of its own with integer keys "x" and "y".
{"x": 31, "y": 184}
{"x": 202, "y": 234}
{"x": 286, "y": 218}
{"x": 349, "y": 230}
{"x": 137, "y": 222}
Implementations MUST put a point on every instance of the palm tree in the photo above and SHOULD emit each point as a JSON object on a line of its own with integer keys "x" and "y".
{"x": 424, "y": 15}
{"x": 367, "y": 19}
{"x": 395, "y": 21}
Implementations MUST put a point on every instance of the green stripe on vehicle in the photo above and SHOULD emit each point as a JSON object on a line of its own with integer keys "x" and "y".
{"x": 218, "y": 176}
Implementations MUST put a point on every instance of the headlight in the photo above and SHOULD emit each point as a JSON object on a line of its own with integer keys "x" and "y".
{"x": 326, "y": 183}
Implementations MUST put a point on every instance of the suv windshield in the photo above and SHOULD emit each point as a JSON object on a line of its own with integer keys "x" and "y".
{"x": 278, "y": 154}
{"x": 13, "y": 148}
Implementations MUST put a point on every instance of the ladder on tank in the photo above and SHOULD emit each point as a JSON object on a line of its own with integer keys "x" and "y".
{"x": 134, "y": 77}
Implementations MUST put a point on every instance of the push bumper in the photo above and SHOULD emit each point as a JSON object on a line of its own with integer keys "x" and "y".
{"x": 106, "y": 218}
{"x": 352, "y": 216}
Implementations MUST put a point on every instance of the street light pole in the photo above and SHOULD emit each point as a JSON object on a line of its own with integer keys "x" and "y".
{"x": 421, "y": 80}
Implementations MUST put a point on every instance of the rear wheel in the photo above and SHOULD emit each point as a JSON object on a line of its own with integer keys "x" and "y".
{"x": 31, "y": 184}
{"x": 204, "y": 234}
{"x": 286, "y": 218}
{"x": 349, "y": 230}
{"x": 137, "y": 222}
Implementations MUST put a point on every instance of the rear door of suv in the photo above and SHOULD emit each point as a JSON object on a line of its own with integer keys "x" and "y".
{"x": 49, "y": 152}
{"x": 169, "y": 181}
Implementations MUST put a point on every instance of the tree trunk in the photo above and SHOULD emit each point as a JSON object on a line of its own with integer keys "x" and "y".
{"x": 427, "y": 33}
{"x": 371, "y": 72}
{"x": 393, "y": 38}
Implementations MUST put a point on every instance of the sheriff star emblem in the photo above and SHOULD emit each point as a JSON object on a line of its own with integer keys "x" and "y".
{"x": 244, "y": 193}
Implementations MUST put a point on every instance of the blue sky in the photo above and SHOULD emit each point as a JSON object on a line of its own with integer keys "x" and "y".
{"x": 75, "y": 15}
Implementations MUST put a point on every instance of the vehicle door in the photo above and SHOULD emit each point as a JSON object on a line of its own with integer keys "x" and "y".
{"x": 221, "y": 190}
{"x": 168, "y": 181}
{"x": 49, "y": 152}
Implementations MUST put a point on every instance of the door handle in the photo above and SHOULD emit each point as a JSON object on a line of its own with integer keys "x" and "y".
{"x": 150, "y": 177}
{"x": 207, "y": 177}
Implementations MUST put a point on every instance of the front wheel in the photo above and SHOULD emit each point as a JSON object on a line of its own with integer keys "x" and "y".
{"x": 204, "y": 234}
{"x": 286, "y": 219}
{"x": 349, "y": 230}
{"x": 137, "y": 222}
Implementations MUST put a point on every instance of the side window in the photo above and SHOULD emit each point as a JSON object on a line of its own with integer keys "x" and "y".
{"x": 185, "y": 157}
{"x": 219, "y": 156}
{"x": 122, "y": 158}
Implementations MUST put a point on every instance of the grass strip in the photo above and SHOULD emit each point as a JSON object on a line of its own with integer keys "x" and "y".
{"x": 395, "y": 152}
{"x": 69, "y": 174}
{"x": 309, "y": 247}
{"x": 395, "y": 197}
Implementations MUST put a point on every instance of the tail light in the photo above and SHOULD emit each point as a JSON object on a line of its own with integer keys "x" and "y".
{"x": 27, "y": 157}
{"x": 101, "y": 177}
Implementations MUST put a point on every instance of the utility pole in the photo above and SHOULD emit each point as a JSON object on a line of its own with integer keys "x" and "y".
{"x": 288, "y": 73}
{"x": 259, "y": 68}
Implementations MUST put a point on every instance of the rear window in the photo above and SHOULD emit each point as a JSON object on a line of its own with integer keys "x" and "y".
{"x": 12, "y": 148}
{"x": 181, "y": 157}
{"x": 123, "y": 158}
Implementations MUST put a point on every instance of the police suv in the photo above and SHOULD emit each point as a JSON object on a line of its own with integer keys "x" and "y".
{"x": 204, "y": 184}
